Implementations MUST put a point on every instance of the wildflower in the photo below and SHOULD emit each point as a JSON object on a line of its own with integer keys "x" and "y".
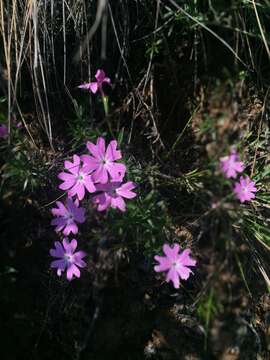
{"x": 3, "y": 131}
{"x": 102, "y": 161}
{"x": 113, "y": 194}
{"x": 230, "y": 165}
{"x": 67, "y": 216}
{"x": 97, "y": 85}
{"x": 68, "y": 260}
{"x": 245, "y": 189}
{"x": 77, "y": 179}
{"x": 176, "y": 264}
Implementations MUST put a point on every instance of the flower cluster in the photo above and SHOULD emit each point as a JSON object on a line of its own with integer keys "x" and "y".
{"x": 100, "y": 173}
{"x": 231, "y": 166}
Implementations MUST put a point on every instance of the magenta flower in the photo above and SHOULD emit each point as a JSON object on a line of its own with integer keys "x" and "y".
{"x": 230, "y": 165}
{"x": 245, "y": 189}
{"x": 67, "y": 216}
{"x": 103, "y": 161}
{"x": 78, "y": 179}
{"x": 113, "y": 194}
{"x": 68, "y": 260}
{"x": 175, "y": 264}
{"x": 97, "y": 85}
{"x": 3, "y": 131}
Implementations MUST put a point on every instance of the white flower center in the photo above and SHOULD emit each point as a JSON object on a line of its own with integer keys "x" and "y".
{"x": 69, "y": 217}
{"x": 68, "y": 258}
{"x": 80, "y": 177}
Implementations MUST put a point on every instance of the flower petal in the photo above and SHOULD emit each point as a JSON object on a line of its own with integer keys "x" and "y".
{"x": 172, "y": 253}
{"x": 72, "y": 270}
{"x": 60, "y": 264}
{"x": 164, "y": 263}
{"x": 173, "y": 276}
{"x": 100, "y": 75}
{"x": 111, "y": 153}
{"x": 124, "y": 190}
{"x": 118, "y": 203}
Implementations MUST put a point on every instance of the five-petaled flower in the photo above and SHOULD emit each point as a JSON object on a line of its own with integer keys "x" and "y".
{"x": 112, "y": 194}
{"x": 3, "y": 131}
{"x": 103, "y": 161}
{"x": 67, "y": 259}
{"x": 230, "y": 165}
{"x": 67, "y": 216}
{"x": 97, "y": 85}
{"x": 245, "y": 189}
{"x": 175, "y": 263}
{"x": 78, "y": 179}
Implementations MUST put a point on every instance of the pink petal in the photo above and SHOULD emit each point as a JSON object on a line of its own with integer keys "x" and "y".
{"x": 93, "y": 87}
{"x": 174, "y": 277}
{"x": 59, "y": 223}
{"x": 70, "y": 228}
{"x": 111, "y": 153}
{"x": 72, "y": 270}
{"x": 60, "y": 211}
{"x": 172, "y": 253}
{"x": 79, "y": 215}
{"x": 100, "y": 175}
{"x": 103, "y": 201}
{"x": 100, "y": 76}
{"x": 119, "y": 203}
{"x": 60, "y": 264}
{"x": 89, "y": 163}
{"x": 183, "y": 272}
{"x": 85, "y": 86}
{"x": 116, "y": 170}
{"x": 71, "y": 167}
{"x": 98, "y": 150}
{"x": 164, "y": 263}
{"x": 70, "y": 247}
{"x": 107, "y": 80}
{"x": 69, "y": 181}
{"x": 89, "y": 184}
{"x": 101, "y": 146}
{"x": 78, "y": 189}
{"x": 124, "y": 190}
{"x": 185, "y": 258}
{"x": 78, "y": 259}
{"x": 58, "y": 251}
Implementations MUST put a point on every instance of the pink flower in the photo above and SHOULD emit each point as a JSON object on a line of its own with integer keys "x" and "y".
{"x": 78, "y": 179}
{"x": 175, "y": 264}
{"x": 95, "y": 86}
{"x": 245, "y": 189}
{"x": 3, "y": 131}
{"x": 230, "y": 165}
{"x": 67, "y": 216}
{"x": 113, "y": 194}
{"x": 68, "y": 260}
{"x": 103, "y": 161}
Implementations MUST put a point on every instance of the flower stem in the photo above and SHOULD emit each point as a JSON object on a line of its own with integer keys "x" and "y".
{"x": 105, "y": 100}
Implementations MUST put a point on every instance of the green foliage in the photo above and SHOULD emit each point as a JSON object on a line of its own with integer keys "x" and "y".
{"x": 24, "y": 170}
{"x": 208, "y": 308}
{"x": 153, "y": 48}
{"x": 143, "y": 225}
